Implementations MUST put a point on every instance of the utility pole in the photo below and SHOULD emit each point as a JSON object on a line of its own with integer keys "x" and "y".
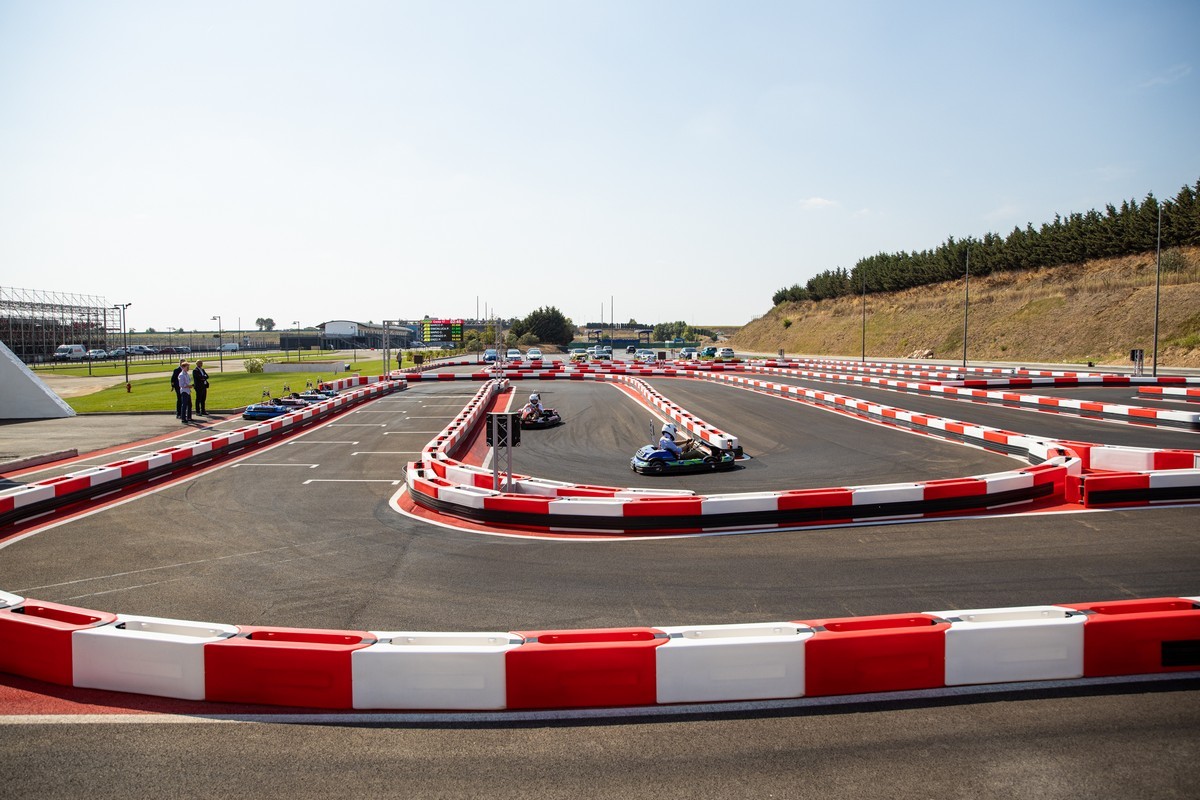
{"x": 966, "y": 306}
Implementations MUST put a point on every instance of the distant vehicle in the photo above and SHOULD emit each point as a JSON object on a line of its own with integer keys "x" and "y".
{"x": 141, "y": 350}
{"x": 647, "y": 356}
{"x": 96, "y": 354}
{"x": 230, "y": 347}
{"x": 118, "y": 353}
{"x": 490, "y": 354}
{"x": 631, "y": 349}
{"x": 166, "y": 351}
{"x": 688, "y": 353}
{"x": 70, "y": 352}
{"x": 708, "y": 352}
{"x": 579, "y": 354}
{"x": 513, "y": 354}
{"x": 601, "y": 355}
{"x": 725, "y": 352}
{"x": 535, "y": 353}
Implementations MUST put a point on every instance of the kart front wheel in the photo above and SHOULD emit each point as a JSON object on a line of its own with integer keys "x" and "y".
{"x": 654, "y": 467}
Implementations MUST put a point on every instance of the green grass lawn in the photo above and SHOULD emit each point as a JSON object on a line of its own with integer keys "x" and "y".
{"x": 226, "y": 390}
{"x": 165, "y": 363}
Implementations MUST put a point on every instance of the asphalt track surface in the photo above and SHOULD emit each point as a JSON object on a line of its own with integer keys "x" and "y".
{"x": 273, "y": 539}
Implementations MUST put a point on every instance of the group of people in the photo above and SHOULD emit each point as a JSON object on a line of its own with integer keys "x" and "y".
{"x": 186, "y": 381}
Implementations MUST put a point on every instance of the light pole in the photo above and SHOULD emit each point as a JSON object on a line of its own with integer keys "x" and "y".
{"x": 966, "y": 305}
{"x": 1157, "y": 284}
{"x": 296, "y": 322}
{"x": 220, "y": 343}
{"x": 125, "y": 341}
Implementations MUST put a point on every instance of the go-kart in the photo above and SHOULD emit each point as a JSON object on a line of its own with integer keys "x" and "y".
{"x": 533, "y": 420}
{"x": 266, "y": 410}
{"x": 700, "y": 457}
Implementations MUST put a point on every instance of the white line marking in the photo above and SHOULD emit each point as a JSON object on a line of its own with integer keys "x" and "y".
{"x": 309, "y": 466}
{"x": 385, "y": 452}
{"x": 310, "y": 441}
{"x": 350, "y": 480}
{"x": 423, "y": 433}
{"x": 358, "y": 424}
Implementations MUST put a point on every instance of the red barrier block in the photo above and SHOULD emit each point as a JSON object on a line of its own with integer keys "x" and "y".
{"x": 35, "y": 639}
{"x": 887, "y": 653}
{"x": 1137, "y": 637}
{"x": 583, "y": 668}
{"x": 283, "y": 667}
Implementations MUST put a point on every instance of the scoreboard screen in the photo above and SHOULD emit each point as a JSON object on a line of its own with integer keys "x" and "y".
{"x": 442, "y": 330}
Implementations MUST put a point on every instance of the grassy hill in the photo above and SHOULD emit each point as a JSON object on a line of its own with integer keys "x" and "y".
{"x": 1096, "y": 311}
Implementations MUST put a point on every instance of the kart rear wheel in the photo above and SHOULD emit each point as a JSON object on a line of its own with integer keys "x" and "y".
{"x": 654, "y": 467}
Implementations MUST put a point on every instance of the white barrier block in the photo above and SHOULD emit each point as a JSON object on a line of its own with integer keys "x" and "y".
{"x": 146, "y": 655}
{"x": 1122, "y": 459}
{"x": 33, "y": 493}
{"x": 740, "y": 503}
{"x": 432, "y": 670}
{"x": 8, "y": 600}
{"x": 587, "y": 506}
{"x": 1174, "y": 478}
{"x": 1006, "y": 481}
{"x": 709, "y": 663}
{"x": 1023, "y": 643}
{"x": 888, "y": 493}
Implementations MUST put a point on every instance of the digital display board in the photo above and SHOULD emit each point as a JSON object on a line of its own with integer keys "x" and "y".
{"x": 442, "y": 330}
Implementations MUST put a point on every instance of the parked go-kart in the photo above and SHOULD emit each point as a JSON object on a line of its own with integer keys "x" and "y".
{"x": 697, "y": 457}
{"x": 533, "y": 420}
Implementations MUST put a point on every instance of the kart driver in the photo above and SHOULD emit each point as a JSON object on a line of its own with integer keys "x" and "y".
{"x": 667, "y": 442}
{"x": 533, "y": 409}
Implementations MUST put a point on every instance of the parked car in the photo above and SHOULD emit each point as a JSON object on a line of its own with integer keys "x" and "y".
{"x": 579, "y": 354}
{"x": 688, "y": 353}
{"x": 231, "y": 347}
{"x": 725, "y": 352}
{"x": 490, "y": 354}
{"x": 70, "y": 352}
{"x": 708, "y": 352}
{"x": 534, "y": 353}
{"x": 513, "y": 354}
{"x": 96, "y": 354}
{"x": 118, "y": 353}
{"x": 141, "y": 350}
{"x": 631, "y": 349}
{"x": 167, "y": 351}
{"x": 647, "y": 356}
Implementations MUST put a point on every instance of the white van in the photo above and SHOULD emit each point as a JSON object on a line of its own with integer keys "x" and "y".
{"x": 70, "y": 352}
{"x": 229, "y": 347}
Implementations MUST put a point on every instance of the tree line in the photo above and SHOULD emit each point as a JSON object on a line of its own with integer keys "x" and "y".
{"x": 1128, "y": 230}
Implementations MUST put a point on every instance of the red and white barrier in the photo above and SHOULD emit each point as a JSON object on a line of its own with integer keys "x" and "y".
{"x": 146, "y": 655}
{"x": 340, "y": 669}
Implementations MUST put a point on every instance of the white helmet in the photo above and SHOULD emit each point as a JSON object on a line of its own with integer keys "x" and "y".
{"x": 669, "y": 429}
{"x": 535, "y": 398}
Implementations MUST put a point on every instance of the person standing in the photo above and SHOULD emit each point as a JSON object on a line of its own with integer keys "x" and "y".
{"x": 200, "y": 381}
{"x": 185, "y": 392}
{"x": 175, "y": 388}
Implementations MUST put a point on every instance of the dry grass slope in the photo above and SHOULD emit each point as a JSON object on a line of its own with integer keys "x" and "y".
{"x": 1096, "y": 311}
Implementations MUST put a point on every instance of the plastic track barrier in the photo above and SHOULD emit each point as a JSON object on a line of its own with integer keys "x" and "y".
{"x": 1136, "y": 637}
{"x": 36, "y": 638}
{"x": 583, "y": 668}
{"x": 283, "y": 667}
{"x": 605, "y": 667}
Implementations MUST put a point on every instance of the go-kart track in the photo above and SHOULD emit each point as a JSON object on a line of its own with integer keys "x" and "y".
{"x": 836, "y": 615}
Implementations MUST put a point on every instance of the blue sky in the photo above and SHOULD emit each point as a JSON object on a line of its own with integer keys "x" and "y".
{"x": 666, "y": 160}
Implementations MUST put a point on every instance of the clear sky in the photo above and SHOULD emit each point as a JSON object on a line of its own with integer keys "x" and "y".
{"x": 369, "y": 160}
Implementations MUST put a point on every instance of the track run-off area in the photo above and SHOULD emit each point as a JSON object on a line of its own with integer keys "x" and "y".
{"x": 319, "y": 530}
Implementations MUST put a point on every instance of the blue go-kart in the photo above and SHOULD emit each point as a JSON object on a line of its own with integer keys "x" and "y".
{"x": 701, "y": 457}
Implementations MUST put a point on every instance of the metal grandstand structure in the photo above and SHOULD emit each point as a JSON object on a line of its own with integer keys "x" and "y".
{"x": 33, "y": 323}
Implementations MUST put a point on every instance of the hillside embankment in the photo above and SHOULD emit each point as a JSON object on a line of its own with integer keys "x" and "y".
{"x": 1097, "y": 311}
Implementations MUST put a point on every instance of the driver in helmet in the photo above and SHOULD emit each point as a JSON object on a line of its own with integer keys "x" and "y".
{"x": 533, "y": 409}
{"x": 668, "y": 443}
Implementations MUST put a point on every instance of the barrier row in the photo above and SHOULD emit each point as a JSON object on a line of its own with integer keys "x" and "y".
{"x": 1013, "y": 375}
{"x": 1189, "y": 420}
{"x": 31, "y": 499}
{"x": 613, "y": 667}
{"x": 1191, "y": 395}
